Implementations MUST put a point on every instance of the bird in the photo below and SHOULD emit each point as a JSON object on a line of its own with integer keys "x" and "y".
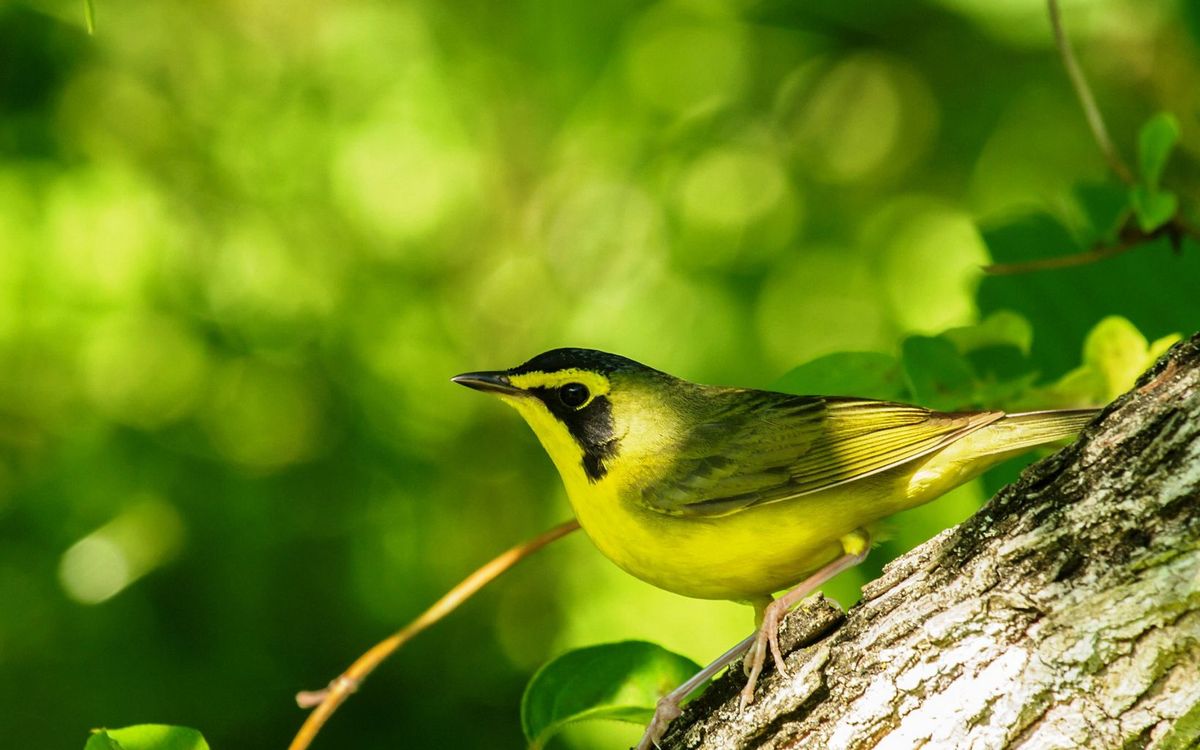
{"x": 728, "y": 493}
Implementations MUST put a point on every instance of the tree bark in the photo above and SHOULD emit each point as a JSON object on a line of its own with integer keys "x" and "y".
{"x": 1064, "y": 614}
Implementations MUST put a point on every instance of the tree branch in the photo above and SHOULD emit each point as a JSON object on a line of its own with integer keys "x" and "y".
{"x": 1066, "y": 613}
{"x": 1130, "y": 237}
{"x": 1095, "y": 120}
{"x": 326, "y": 701}
{"x": 1084, "y": 258}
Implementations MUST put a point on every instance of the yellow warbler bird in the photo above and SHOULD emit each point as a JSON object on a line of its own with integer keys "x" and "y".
{"x": 733, "y": 493}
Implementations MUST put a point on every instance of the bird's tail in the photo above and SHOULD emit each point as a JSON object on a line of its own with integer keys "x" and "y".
{"x": 979, "y": 450}
{"x": 1018, "y": 432}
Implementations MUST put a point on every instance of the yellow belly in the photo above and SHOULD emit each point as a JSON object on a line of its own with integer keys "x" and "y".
{"x": 740, "y": 557}
{"x": 761, "y": 550}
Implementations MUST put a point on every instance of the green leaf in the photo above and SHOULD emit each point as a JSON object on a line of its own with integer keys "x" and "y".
{"x": 619, "y": 681}
{"x": 938, "y": 375}
{"x": 1026, "y": 238}
{"x": 1159, "y": 347}
{"x": 866, "y": 374}
{"x": 1105, "y": 207}
{"x": 1155, "y": 141}
{"x": 1001, "y": 328}
{"x": 1118, "y": 352}
{"x": 101, "y": 741}
{"x": 1152, "y": 208}
{"x": 999, "y": 363}
{"x": 147, "y": 737}
{"x": 1009, "y": 394}
{"x": 1152, "y": 286}
{"x": 1114, "y": 355}
{"x": 89, "y": 16}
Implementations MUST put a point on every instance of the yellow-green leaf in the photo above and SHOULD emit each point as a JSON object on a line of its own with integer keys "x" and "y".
{"x": 1155, "y": 141}
{"x": 147, "y": 737}
{"x": 1115, "y": 353}
{"x": 1153, "y": 208}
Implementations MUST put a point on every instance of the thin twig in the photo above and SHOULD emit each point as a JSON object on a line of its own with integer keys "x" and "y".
{"x": 1130, "y": 236}
{"x": 326, "y": 701}
{"x": 1094, "y": 119}
{"x": 1062, "y": 261}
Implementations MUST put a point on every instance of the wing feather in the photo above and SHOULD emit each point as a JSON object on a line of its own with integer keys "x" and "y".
{"x": 760, "y": 447}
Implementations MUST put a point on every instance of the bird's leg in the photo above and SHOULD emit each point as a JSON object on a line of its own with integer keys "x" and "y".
{"x": 767, "y": 614}
{"x": 760, "y": 608}
{"x": 668, "y": 707}
{"x": 855, "y": 547}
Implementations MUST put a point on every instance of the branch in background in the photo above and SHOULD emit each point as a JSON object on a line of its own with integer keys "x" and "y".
{"x": 1061, "y": 261}
{"x": 328, "y": 700}
{"x": 1094, "y": 119}
{"x": 1130, "y": 237}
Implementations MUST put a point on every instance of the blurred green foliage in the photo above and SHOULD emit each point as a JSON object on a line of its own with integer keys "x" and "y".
{"x": 243, "y": 245}
{"x": 146, "y": 737}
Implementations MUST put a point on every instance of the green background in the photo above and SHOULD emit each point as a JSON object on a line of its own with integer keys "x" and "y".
{"x": 244, "y": 245}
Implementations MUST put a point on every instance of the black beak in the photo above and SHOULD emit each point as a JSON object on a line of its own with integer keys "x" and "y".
{"x": 492, "y": 382}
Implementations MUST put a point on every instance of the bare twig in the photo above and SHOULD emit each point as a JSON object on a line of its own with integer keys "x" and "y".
{"x": 1130, "y": 236}
{"x": 1094, "y": 119}
{"x": 327, "y": 700}
{"x": 1061, "y": 261}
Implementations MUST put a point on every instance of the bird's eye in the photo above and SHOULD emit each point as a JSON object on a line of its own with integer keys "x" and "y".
{"x": 573, "y": 395}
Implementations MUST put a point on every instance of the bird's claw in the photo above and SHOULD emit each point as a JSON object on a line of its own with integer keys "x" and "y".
{"x": 756, "y": 657}
{"x": 771, "y": 623}
{"x": 666, "y": 711}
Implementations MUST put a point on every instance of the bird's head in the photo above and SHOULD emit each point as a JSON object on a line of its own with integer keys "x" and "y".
{"x": 586, "y": 407}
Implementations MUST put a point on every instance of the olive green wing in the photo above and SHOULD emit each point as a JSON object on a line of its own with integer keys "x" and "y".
{"x": 763, "y": 447}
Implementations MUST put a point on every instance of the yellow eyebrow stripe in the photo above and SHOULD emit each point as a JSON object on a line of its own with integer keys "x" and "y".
{"x": 597, "y": 384}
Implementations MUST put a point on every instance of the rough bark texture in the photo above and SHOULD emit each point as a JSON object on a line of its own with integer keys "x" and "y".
{"x": 1065, "y": 614}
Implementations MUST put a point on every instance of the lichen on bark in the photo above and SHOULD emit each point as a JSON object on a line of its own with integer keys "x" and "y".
{"x": 1064, "y": 614}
